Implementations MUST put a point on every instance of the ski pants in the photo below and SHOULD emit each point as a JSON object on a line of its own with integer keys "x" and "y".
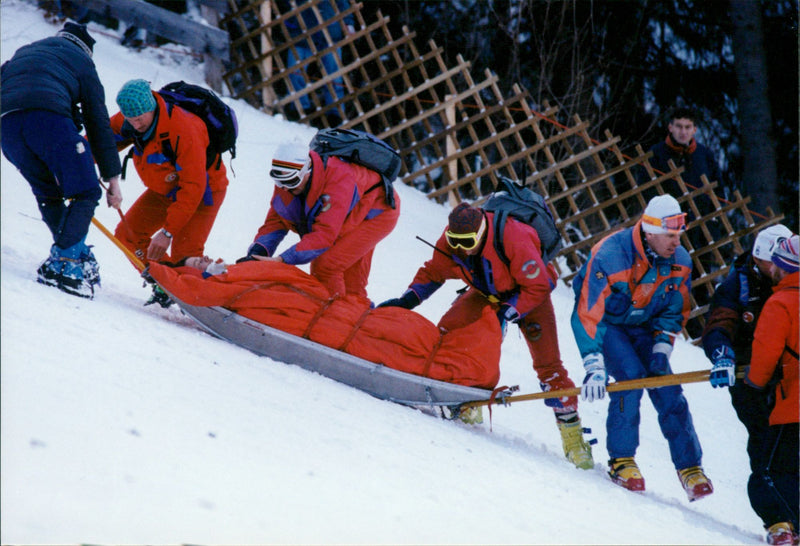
{"x": 57, "y": 163}
{"x": 627, "y": 351}
{"x": 539, "y": 330}
{"x": 774, "y": 492}
{"x": 344, "y": 268}
{"x": 752, "y": 408}
{"x": 149, "y": 213}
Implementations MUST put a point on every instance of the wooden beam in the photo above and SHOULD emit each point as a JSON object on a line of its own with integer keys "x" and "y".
{"x": 169, "y": 25}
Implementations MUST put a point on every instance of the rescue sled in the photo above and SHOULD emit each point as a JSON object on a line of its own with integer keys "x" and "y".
{"x": 375, "y": 379}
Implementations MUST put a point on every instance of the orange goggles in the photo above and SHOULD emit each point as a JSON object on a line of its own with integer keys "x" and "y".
{"x": 674, "y": 223}
{"x": 467, "y": 241}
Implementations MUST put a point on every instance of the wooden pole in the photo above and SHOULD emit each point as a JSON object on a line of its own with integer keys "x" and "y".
{"x": 632, "y": 384}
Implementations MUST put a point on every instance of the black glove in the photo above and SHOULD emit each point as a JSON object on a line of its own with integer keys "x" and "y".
{"x": 247, "y": 258}
{"x": 409, "y": 300}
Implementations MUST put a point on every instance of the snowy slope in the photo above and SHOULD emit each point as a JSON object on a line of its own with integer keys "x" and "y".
{"x": 127, "y": 424}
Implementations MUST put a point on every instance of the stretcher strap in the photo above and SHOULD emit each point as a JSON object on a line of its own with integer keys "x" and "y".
{"x": 427, "y": 368}
{"x": 317, "y": 316}
{"x": 355, "y": 329}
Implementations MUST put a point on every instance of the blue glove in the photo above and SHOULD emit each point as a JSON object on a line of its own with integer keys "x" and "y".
{"x": 505, "y": 314}
{"x": 659, "y": 364}
{"x": 723, "y": 374}
{"x": 409, "y": 300}
{"x": 594, "y": 384}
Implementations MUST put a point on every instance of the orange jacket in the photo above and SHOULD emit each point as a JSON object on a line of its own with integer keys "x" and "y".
{"x": 186, "y": 180}
{"x": 775, "y": 348}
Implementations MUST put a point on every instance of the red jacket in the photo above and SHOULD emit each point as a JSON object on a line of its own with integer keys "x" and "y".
{"x": 775, "y": 348}
{"x": 526, "y": 283}
{"x": 187, "y": 181}
{"x": 335, "y": 203}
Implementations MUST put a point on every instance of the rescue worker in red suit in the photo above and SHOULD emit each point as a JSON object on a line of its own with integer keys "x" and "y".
{"x": 183, "y": 197}
{"x": 518, "y": 292}
{"x": 339, "y": 209}
{"x": 774, "y": 367}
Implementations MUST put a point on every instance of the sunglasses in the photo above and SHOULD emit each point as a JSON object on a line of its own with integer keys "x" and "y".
{"x": 288, "y": 177}
{"x": 674, "y": 223}
{"x": 467, "y": 241}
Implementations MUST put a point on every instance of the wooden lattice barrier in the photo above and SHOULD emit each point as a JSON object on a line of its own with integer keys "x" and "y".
{"x": 457, "y": 134}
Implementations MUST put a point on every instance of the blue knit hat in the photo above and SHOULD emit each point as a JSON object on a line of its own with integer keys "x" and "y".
{"x": 135, "y": 98}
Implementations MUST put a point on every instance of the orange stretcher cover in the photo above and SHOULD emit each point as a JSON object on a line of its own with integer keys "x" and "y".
{"x": 288, "y": 299}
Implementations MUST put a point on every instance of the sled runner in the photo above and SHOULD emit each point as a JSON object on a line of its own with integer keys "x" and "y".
{"x": 374, "y": 379}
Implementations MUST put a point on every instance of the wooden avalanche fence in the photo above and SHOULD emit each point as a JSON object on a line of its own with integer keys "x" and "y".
{"x": 456, "y": 132}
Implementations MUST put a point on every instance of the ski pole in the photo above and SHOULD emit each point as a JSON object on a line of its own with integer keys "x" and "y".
{"x": 138, "y": 264}
{"x": 697, "y": 376}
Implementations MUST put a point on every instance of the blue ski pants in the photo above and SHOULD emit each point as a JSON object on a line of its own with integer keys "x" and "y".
{"x": 57, "y": 163}
{"x": 627, "y": 351}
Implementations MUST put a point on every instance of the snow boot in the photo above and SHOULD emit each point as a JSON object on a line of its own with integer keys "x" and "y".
{"x": 160, "y": 297}
{"x": 71, "y": 278}
{"x": 625, "y": 472}
{"x": 49, "y": 271}
{"x": 471, "y": 415}
{"x": 695, "y": 483}
{"x": 576, "y": 449}
{"x": 91, "y": 269}
{"x": 781, "y": 533}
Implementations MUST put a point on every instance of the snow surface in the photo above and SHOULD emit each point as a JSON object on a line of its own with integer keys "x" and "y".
{"x": 128, "y": 424}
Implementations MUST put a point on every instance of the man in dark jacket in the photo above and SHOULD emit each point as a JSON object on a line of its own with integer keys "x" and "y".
{"x": 50, "y": 89}
{"x": 728, "y": 339}
{"x": 681, "y": 147}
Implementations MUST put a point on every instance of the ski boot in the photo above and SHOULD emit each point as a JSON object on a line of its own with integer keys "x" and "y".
{"x": 782, "y": 533}
{"x": 624, "y": 472}
{"x": 577, "y": 450}
{"x": 695, "y": 483}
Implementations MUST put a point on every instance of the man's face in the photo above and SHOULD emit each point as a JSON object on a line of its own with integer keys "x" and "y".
{"x": 682, "y": 130}
{"x": 663, "y": 244}
{"x": 199, "y": 262}
{"x": 764, "y": 266}
{"x": 142, "y": 123}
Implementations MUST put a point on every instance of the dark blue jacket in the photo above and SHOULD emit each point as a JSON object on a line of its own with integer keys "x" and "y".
{"x": 735, "y": 308}
{"x": 56, "y": 75}
{"x": 701, "y": 162}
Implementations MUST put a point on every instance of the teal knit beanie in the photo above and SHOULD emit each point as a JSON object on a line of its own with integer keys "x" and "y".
{"x": 135, "y": 98}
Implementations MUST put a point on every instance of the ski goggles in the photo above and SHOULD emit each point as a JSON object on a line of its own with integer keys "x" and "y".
{"x": 467, "y": 241}
{"x": 288, "y": 175}
{"x": 673, "y": 224}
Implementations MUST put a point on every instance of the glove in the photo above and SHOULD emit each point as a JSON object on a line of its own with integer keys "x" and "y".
{"x": 505, "y": 314}
{"x": 594, "y": 384}
{"x": 247, "y": 258}
{"x": 659, "y": 364}
{"x": 409, "y": 300}
{"x": 723, "y": 374}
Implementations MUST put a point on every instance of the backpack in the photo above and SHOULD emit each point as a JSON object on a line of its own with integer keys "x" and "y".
{"x": 362, "y": 149}
{"x": 527, "y": 206}
{"x": 220, "y": 119}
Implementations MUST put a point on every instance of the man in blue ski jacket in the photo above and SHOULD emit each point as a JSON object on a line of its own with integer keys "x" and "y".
{"x": 631, "y": 301}
{"x": 50, "y": 89}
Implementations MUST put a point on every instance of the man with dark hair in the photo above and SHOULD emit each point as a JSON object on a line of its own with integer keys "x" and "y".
{"x": 682, "y": 148}
{"x": 517, "y": 291}
{"x": 50, "y": 89}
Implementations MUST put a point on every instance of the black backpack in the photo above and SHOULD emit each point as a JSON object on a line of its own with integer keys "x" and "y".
{"x": 527, "y": 206}
{"x": 362, "y": 149}
{"x": 220, "y": 119}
